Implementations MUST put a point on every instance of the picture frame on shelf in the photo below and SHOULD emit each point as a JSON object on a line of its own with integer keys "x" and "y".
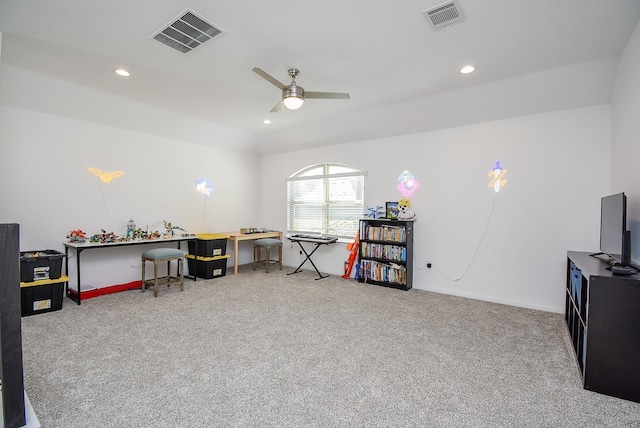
{"x": 392, "y": 210}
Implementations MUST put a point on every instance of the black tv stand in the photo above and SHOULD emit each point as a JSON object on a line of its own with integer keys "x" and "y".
{"x": 622, "y": 270}
{"x": 602, "y": 314}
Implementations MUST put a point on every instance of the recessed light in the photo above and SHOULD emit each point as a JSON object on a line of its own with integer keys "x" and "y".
{"x": 122, "y": 72}
{"x": 266, "y": 122}
{"x": 467, "y": 69}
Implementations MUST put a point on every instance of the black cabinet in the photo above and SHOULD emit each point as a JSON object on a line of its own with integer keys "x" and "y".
{"x": 11, "y": 367}
{"x": 602, "y": 314}
{"x": 386, "y": 253}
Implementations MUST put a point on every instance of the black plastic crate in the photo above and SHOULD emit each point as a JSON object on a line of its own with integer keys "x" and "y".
{"x": 207, "y": 267}
{"x": 38, "y": 299}
{"x": 39, "y": 265}
{"x": 209, "y": 245}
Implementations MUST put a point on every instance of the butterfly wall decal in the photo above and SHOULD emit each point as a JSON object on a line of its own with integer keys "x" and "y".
{"x": 104, "y": 176}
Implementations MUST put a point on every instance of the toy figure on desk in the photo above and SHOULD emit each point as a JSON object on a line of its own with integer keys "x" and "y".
{"x": 77, "y": 236}
{"x": 103, "y": 237}
{"x": 137, "y": 234}
{"x": 170, "y": 229}
{"x": 406, "y": 213}
{"x": 131, "y": 230}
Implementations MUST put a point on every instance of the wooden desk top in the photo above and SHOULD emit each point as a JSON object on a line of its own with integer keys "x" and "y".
{"x": 237, "y": 236}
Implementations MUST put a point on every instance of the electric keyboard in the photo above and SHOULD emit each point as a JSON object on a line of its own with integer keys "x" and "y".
{"x": 314, "y": 238}
{"x": 318, "y": 240}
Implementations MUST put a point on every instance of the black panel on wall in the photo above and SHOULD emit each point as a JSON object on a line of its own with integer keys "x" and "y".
{"x": 11, "y": 328}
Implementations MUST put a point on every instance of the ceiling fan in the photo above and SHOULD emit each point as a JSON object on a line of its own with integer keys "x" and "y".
{"x": 293, "y": 96}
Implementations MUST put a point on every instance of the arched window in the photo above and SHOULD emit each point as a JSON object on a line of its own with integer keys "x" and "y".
{"x": 325, "y": 199}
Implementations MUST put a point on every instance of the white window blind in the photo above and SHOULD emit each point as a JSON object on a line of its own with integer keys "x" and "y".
{"x": 325, "y": 199}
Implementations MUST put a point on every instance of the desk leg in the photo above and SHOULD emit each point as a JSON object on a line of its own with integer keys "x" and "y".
{"x": 235, "y": 257}
{"x": 76, "y": 299}
{"x": 192, "y": 275}
{"x": 78, "y": 269}
{"x": 66, "y": 270}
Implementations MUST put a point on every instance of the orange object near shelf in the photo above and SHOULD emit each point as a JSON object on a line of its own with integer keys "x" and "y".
{"x": 353, "y": 248}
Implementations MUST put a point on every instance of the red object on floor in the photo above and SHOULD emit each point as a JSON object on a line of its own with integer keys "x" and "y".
{"x": 96, "y": 292}
{"x": 352, "y": 256}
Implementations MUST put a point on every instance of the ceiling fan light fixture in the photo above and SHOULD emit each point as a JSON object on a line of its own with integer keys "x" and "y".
{"x": 293, "y": 96}
{"x": 293, "y": 102}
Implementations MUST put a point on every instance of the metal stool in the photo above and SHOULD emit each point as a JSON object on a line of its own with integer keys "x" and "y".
{"x": 266, "y": 243}
{"x": 158, "y": 255}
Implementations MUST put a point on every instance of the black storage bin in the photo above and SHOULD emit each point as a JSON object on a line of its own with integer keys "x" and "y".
{"x": 207, "y": 267}
{"x": 39, "y": 265}
{"x": 209, "y": 245}
{"x": 38, "y": 299}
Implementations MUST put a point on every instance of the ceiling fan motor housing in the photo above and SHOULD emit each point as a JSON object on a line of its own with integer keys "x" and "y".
{"x": 293, "y": 90}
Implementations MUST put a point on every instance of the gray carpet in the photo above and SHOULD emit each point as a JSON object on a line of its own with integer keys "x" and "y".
{"x": 267, "y": 350}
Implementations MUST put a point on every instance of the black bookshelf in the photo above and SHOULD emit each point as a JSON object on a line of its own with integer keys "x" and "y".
{"x": 602, "y": 313}
{"x": 386, "y": 253}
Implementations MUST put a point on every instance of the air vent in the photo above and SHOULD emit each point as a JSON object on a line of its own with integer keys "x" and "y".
{"x": 443, "y": 15}
{"x": 187, "y": 31}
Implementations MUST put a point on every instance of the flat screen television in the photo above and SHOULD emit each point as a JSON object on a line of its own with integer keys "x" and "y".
{"x": 634, "y": 226}
{"x": 614, "y": 237}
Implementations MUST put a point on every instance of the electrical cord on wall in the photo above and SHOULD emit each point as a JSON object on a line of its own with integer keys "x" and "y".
{"x": 106, "y": 210}
{"x": 475, "y": 253}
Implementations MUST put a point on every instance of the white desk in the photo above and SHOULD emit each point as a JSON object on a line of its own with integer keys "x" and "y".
{"x": 80, "y": 247}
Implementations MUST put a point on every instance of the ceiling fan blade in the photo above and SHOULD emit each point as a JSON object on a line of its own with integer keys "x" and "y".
{"x": 269, "y": 78}
{"x": 277, "y": 107}
{"x": 328, "y": 95}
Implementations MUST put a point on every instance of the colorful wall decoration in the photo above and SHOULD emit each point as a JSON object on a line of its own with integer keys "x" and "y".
{"x": 204, "y": 186}
{"x": 407, "y": 184}
{"x": 105, "y": 176}
{"x": 497, "y": 173}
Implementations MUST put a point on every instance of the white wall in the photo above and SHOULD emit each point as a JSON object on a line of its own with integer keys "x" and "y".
{"x": 46, "y": 188}
{"x": 558, "y": 168}
{"x": 626, "y": 136}
{"x": 559, "y": 165}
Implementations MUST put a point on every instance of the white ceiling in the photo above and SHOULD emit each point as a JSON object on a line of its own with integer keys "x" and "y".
{"x": 383, "y": 52}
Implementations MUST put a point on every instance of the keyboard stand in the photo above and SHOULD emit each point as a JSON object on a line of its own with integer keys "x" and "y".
{"x": 308, "y": 257}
